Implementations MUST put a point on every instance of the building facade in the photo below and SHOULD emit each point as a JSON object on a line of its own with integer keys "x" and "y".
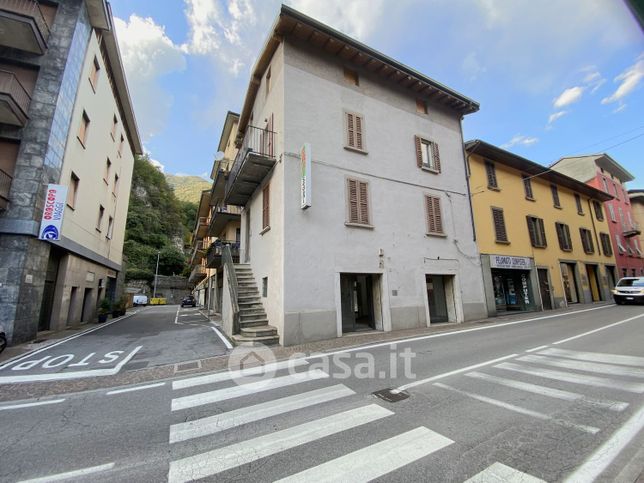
{"x": 351, "y": 174}
{"x": 604, "y": 173}
{"x": 636, "y": 198}
{"x": 66, "y": 119}
{"x": 544, "y": 238}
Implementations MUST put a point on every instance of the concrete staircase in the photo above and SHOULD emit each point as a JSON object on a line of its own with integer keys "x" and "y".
{"x": 253, "y": 322}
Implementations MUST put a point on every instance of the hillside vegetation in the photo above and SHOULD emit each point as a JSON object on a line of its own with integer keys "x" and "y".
{"x": 157, "y": 222}
{"x": 187, "y": 188}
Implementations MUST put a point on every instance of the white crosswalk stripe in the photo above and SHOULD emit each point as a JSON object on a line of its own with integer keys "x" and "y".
{"x": 500, "y": 473}
{"x": 600, "y": 368}
{"x": 245, "y": 389}
{"x": 216, "y": 461}
{"x": 376, "y": 460}
{"x": 224, "y": 421}
{"x": 596, "y": 357}
{"x": 549, "y": 391}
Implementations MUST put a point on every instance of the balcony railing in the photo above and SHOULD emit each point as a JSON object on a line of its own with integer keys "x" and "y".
{"x": 220, "y": 216}
{"x": 201, "y": 228}
{"x": 5, "y": 186}
{"x": 10, "y": 86}
{"x": 213, "y": 257}
{"x": 254, "y": 160}
{"x": 631, "y": 230}
{"x": 14, "y": 10}
{"x": 198, "y": 273}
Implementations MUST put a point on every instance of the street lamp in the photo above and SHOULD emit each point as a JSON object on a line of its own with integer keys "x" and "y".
{"x": 156, "y": 274}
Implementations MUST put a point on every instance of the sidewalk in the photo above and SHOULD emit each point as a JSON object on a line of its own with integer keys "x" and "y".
{"x": 9, "y": 392}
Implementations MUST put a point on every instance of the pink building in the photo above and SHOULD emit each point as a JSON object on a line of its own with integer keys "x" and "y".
{"x": 603, "y": 172}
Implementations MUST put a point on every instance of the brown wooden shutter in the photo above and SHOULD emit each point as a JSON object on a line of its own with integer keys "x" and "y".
{"x": 491, "y": 174}
{"x": 499, "y": 225}
{"x": 437, "y": 157}
{"x": 419, "y": 151}
{"x": 532, "y": 231}
{"x": 350, "y": 131}
{"x": 358, "y": 132}
{"x": 568, "y": 239}
{"x": 352, "y": 195}
{"x": 542, "y": 233}
{"x": 438, "y": 219}
{"x": 560, "y": 235}
{"x": 364, "y": 202}
{"x": 429, "y": 213}
{"x": 266, "y": 207}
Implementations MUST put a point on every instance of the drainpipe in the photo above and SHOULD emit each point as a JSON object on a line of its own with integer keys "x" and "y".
{"x": 466, "y": 160}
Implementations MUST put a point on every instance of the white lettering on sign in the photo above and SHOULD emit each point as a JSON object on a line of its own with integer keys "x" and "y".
{"x": 53, "y": 211}
{"x": 506, "y": 261}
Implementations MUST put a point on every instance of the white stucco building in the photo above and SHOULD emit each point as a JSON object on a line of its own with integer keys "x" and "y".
{"x": 387, "y": 242}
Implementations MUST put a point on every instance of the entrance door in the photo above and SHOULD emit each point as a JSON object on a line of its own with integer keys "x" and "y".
{"x": 71, "y": 311}
{"x": 610, "y": 273}
{"x": 47, "y": 303}
{"x": 356, "y": 293}
{"x": 569, "y": 283}
{"x": 436, "y": 298}
{"x": 593, "y": 281}
{"x": 86, "y": 311}
{"x": 544, "y": 286}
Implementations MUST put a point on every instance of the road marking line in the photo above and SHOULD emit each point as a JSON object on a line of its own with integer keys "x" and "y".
{"x": 549, "y": 391}
{"x": 245, "y": 389}
{"x": 29, "y": 405}
{"x": 176, "y": 317}
{"x": 597, "y": 330}
{"x": 137, "y": 388}
{"x": 575, "y": 378}
{"x": 222, "y": 337}
{"x": 596, "y": 463}
{"x": 451, "y": 373}
{"x": 374, "y": 461}
{"x": 237, "y": 417}
{"x": 535, "y": 349}
{"x": 70, "y": 474}
{"x": 599, "y": 367}
{"x": 596, "y": 357}
{"x": 66, "y": 339}
{"x": 213, "y": 462}
{"x": 519, "y": 409}
{"x": 58, "y": 376}
{"x": 499, "y": 472}
{"x": 225, "y": 376}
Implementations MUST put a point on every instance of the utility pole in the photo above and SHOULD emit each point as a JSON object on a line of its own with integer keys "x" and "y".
{"x": 156, "y": 274}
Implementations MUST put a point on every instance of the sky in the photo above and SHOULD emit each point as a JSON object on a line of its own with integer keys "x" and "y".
{"x": 553, "y": 77}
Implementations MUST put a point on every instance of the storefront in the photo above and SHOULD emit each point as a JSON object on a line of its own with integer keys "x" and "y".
{"x": 513, "y": 282}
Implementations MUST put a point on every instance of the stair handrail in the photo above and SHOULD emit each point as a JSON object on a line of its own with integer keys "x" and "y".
{"x": 227, "y": 259}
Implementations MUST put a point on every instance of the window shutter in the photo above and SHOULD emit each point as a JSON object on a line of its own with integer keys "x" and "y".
{"x": 499, "y": 225}
{"x": 364, "y": 203}
{"x": 567, "y": 236}
{"x": 429, "y": 212}
{"x": 437, "y": 157}
{"x": 491, "y": 175}
{"x": 350, "y": 131}
{"x": 419, "y": 151}
{"x": 542, "y": 233}
{"x": 353, "y": 200}
{"x": 560, "y": 236}
{"x": 438, "y": 218}
{"x": 358, "y": 132}
{"x": 532, "y": 231}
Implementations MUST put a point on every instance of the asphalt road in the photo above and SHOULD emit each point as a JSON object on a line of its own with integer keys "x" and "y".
{"x": 153, "y": 336}
{"x": 552, "y": 399}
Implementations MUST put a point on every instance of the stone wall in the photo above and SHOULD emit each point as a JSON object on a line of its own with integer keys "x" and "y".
{"x": 172, "y": 288}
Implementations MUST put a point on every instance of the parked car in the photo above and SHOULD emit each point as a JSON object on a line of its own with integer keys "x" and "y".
{"x": 140, "y": 300}
{"x": 629, "y": 290}
{"x": 188, "y": 300}
{"x": 3, "y": 341}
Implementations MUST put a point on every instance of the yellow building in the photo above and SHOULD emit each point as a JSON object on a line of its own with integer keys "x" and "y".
{"x": 543, "y": 237}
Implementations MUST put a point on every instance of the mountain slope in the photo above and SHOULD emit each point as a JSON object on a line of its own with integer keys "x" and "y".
{"x": 187, "y": 188}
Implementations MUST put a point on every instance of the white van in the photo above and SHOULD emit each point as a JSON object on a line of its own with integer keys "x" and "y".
{"x": 140, "y": 300}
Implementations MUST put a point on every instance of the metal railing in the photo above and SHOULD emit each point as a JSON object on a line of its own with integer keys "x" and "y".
{"x": 5, "y": 184}
{"x": 217, "y": 247}
{"x": 224, "y": 208}
{"x": 29, "y": 8}
{"x": 10, "y": 84}
{"x": 232, "y": 285}
{"x": 256, "y": 140}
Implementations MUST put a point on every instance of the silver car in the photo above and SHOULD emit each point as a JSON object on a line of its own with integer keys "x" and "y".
{"x": 629, "y": 290}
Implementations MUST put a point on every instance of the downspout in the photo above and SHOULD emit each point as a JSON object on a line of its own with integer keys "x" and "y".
{"x": 466, "y": 164}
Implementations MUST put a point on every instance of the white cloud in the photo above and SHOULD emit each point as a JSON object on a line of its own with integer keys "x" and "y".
{"x": 520, "y": 140}
{"x": 593, "y": 79}
{"x": 568, "y": 96}
{"x": 554, "y": 116}
{"x": 157, "y": 165}
{"x": 629, "y": 80}
{"x": 471, "y": 66}
{"x": 148, "y": 54}
{"x": 619, "y": 108}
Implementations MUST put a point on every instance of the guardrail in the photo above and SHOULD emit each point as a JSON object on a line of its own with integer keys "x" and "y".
{"x": 29, "y": 8}
{"x": 232, "y": 285}
{"x": 10, "y": 84}
{"x": 256, "y": 140}
{"x": 5, "y": 184}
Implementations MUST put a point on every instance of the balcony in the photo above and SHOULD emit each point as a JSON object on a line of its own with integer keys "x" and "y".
{"x": 221, "y": 216}
{"x": 5, "y": 186}
{"x": 213, "y": 258}
{"x": 254, "y": 160}
{"x": 197, "y": 253}
{"x": 220, "y": 174}
{"x": 202, "y": 228}
{"x": 197, "y": 275}
{"x": 631, "y": 230}
{"x": 14, "y": 100}
{"x": 23, "y": 26}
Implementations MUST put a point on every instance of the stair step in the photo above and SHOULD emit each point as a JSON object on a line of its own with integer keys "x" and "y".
{"x": 250, "y": 341}
{"x": 255, "y": 315}
{"x": 253, "y": 322}
{"x": 260, "y": 331}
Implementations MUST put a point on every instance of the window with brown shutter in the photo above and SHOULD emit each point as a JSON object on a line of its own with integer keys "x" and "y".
{"x": 84, "y": 127}
{"x": 599, "y": 212}
{"x": 490, "y": 172}
{"x": 586, "y": 240}
{"x": 427, "y": 154}
{"x": 266, "y": 206}
{"x": 115, "y": 123}
{"x": 606, "y": 246}
{"x": 355, "y": 138}
{"x": 555, "y": 196}
{"x": 93, "y": 75}
{"x": 72, "y": 192}
{"x": 433, "y": 215}
{"x": 537, "y": 232}
{"x": 563, "y": 235}
{"x": 500, "y": 233}
{"x": 580, "y": 207}
{"x": 527, "y": 186}
{"x": 358, "y": 202}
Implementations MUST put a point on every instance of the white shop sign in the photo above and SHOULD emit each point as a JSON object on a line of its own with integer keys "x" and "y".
{"x": 52, "y": 214}
{"x": 505, "y": 261}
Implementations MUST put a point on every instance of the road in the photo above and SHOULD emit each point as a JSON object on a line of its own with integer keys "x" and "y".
{"x": 153, "y": 336}
{"x": 551, "y": 399}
